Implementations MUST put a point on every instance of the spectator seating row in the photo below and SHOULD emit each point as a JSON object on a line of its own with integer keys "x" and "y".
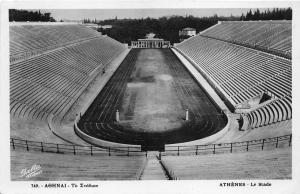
{"x": 30, "y": 37}
{"x": 50, "y": 82}
{"x": 242, "y": 73}
{"x": 272, "y": 35}
{"x": 76, "y": 167}
{"x": 28, "y": 40}
{"x": 271, "y": 164}
{"x": 277, "y": 111}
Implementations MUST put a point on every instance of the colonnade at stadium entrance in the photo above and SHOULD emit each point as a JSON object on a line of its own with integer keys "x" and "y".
{"x": 150, "y": 43}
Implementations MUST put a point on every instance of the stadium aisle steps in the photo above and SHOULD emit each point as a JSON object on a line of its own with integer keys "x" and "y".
{"x": 153, "y": 169}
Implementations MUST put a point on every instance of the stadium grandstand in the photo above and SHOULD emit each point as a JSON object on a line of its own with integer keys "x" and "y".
{"x": 216, "y": 106}
{"x": 272, "y": 36}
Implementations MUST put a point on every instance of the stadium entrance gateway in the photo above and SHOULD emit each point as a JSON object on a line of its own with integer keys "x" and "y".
{"x": 150, "y": 43}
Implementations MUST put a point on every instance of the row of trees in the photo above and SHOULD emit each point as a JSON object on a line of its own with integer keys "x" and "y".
{"x": 127, "y": 30}
{"x": 275, "y": 14}
{"x": 24, "y": 15}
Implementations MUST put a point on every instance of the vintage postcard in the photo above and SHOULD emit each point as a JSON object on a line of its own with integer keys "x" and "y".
{"x": 149, "y": 97}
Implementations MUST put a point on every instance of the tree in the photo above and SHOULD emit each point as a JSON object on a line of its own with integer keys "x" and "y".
{"x": 24, "y": 15}
{"x": 127, "y": 30}
{"x": 249, "y": 15}
{"x": 256, "y": 15}
{"x": 275, "y": 14}
{"x": 242, "y": 17}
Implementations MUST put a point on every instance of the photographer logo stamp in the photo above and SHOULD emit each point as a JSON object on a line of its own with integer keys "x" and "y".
{"x": 32, "y": 172}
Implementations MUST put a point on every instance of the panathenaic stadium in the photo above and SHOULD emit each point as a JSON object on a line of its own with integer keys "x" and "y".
{"x": 216, "y": 106}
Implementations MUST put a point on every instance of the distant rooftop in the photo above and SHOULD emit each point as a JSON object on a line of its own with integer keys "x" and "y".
{"x": 188, "y": 29}
{"x": 150, "y": 39}
{"x": 150, "y": 35}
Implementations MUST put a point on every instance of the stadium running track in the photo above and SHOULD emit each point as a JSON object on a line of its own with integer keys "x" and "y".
{"x": 205, "y": 117}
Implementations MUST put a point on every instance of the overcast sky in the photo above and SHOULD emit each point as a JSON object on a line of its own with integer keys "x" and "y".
{"x": 100, "y": 14}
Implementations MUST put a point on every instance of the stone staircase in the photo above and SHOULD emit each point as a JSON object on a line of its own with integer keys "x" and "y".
{"x": 153, "y": 169}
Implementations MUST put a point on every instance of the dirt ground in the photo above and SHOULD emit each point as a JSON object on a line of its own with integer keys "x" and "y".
{"x": 152, "y": 89}
{"x": 150, "y": 102}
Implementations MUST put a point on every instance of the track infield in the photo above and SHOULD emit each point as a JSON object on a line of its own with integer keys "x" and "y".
{"x": 152, "y": 89}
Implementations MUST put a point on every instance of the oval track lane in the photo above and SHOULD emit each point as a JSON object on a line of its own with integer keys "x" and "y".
{"x": 99, "y": 119}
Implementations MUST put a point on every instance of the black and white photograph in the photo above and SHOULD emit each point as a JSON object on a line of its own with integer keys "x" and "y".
{"x": 146, "y": 94}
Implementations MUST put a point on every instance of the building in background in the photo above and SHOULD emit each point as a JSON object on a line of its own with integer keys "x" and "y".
{"x": 186, "y": 33}
{"x": 92, "y": 26}
{"x": 150, "y": 42}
